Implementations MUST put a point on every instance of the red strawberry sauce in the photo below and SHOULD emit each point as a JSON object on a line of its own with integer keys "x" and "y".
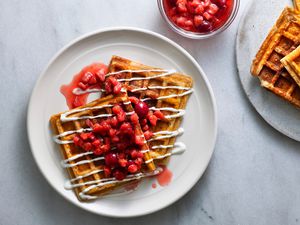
{"x": 165, "y": 177}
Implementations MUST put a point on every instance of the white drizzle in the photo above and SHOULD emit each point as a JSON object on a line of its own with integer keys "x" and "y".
{"x": 179, "y": 112}
{"x": 79, "y": 91}
{"x": 105, "y": 181}
{"x": 57, "y": 139}
{"x": 170, "y": 96}
{"x": 136, "y": 71}
{"x": 169, "y": 72}
{"x": 166, "y": 134}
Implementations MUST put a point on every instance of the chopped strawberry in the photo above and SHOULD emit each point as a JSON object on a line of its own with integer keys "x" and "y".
{"x": 96, "y": 143}
{"x": 89, "y": 123}
{"x": 132, "y": 168}
{"x": 87, "y": 146}
{"x": 148, "y": 134}
{"x": 92, "y": 80}
{"x": 108, "y": 87}
{"x": 117, "y": 88}
{"x": 122, "y": 162}
{"x": 98, "y": 151}
{"x": 126, "y": 128}
{"x": 107, "y": 171}
{"x": 119, "y": 175}
{"x": 76, "y": 140}
{"x": 159, "y": 115}
{"x": 134, "y": 118}
{"x": 113, "y": 121}
{"x": 84, "y": 136}
{"x": 145, "y": 128}
{"x": 139, "y": 140}
{"x": 82, "y": 86}
{"x": 134, "y": 154}
{"x": 86, "y": 77}
{"x": 134, "y": 100}
{"x": 152, "y": 119}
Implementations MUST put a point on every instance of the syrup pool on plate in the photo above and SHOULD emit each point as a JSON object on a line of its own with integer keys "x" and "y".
{"x": 199, "y": 16}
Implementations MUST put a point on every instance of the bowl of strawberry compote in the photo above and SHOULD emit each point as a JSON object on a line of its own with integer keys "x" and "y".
{"x": 198, "y": 19}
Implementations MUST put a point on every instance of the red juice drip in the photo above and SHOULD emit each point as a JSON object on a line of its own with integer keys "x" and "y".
{"x": 73, "y": 100}
{"x": 165, "y": 177}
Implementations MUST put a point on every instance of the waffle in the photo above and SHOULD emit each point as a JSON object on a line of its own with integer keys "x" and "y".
{"x": 70, "y": 151}
{"x": 297, "y": 4}
{"x": 118, "y": 64}
{"x": 292, "y": 64}
{"x": 282, "y": 39}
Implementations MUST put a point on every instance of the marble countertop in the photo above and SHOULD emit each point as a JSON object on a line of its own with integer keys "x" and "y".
{"x": 253, "y": 177}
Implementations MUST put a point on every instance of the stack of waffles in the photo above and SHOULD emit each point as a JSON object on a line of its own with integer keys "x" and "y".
{"x": 164, "y": 92}
{"x": 277, "y": 62}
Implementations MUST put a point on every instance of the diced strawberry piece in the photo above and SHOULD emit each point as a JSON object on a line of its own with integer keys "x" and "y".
{"x": 122, "y": 162}
{"x": 82, "y": 86}
{"x": 113, "y": 121}
{"x": 121, "y": 116}
{"x": 87, "y": 146}
{"x": 143, "y": 122}
{"x": 198, "y": 20}
{"x": 92, "y": 80}
{"x": 152, "y": 119}
{"x": 119, "y": 175}
{"x": 84, "y": 136}
{"x": 101, "y": 75}
{"x": 112, "y": 132}
{"x": 121, "y": 146}
{"x": 195, "y": 3}
{"x": 148, "y": 134}
{"x": 181, "y": 7}
{"x": 139, "y": 140}
{"x": 133, "y": 154}
{"x": 134, "y": 118}
{"x": 115, "y": 139}
{"x": 117, "y": 88}
{"x": 181, "y": 21}
{"x": 138, "y": 162}
{"x": 132, "y": 168}
{"x": 199, "y": 9}
{"x": 98, "y": 151}
{"x": 113, "y": 81}
{"x": 117, "y": 109}
{"x": 145, "y": 128}
{"x": 126, "y": 128}
{"x": 105, "y": 148}
{"x": 76, "y": 140}
{"x": 96, "y": 143}
{"x": 140, "y": 155}
{"x": 107, "y": 171}
{"x": 91, "y": 136}
{"x": 207, "y": 16}
{"x": 188, "y": 23}
{"x": 206, "y": 3}
{"x": 86, "y": 77}
{"x": 173, "y": 11}
{"x": 213, "y": 9}
{"x": 159, "y": 114}
{"x": 134, "y": 100}
{"x": 89, "y": 123}
{"x": 108, "y": 87}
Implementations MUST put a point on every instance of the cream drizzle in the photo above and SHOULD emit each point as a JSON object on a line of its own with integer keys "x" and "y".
{"x": 169, "y": 72}
{"x": 105, "y": 181}
{"x": 169, "y": 96}
{"x": 179, "y": 112}
{"x": 166, "y": 134}
{"x": 57, "y": 139}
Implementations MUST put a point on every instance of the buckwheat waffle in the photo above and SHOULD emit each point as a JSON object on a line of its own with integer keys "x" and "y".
{"x": 292, "y": 64}
{"x": 140, "y": 89}
{"x": 282, "y": 39}
{"x": 70, "y": 151}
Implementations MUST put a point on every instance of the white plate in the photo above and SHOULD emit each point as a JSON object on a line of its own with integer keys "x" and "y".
{"x": 253, "y": 29}
{"x": 152, "y": 49}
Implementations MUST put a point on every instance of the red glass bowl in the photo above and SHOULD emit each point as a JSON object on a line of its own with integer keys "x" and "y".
{"x": 199, "y": 35}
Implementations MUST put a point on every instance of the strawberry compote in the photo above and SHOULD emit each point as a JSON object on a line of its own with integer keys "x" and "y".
{"x": 200, "y": 16}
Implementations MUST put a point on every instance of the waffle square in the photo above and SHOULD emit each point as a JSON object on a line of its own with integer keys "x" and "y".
{"x": 297, "y": 4}
{"x": 282, "y": 40}
{"x": 164, "y": 90}
{"x": 84, "y": 168}
{"x": 292, "y": 64}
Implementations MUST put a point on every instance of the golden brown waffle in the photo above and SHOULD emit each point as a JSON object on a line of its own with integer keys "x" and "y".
{"x": 69, "y": 150}
{"x": 176, "y": 79}
{"x": 292, "y": 64}
{"x": 297, "y": 4}
{"x": 282, "y": 39}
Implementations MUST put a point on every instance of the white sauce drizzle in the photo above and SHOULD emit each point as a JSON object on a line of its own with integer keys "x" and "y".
{"x": 105, "y": 181}
{"x": 166, "y": 134}
{"x": 57, "y": 139}
{"x": 179, "y": 112}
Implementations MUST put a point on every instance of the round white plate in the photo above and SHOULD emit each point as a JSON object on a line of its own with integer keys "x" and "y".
{"x": 149, "y": 48}
{"x": 257, "y": 21}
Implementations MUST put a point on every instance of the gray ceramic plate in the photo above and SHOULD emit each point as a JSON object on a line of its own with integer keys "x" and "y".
{"x": 258, "y": 19}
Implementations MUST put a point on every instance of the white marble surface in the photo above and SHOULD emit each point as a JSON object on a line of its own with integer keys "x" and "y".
{"x": 253, "y": 177}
